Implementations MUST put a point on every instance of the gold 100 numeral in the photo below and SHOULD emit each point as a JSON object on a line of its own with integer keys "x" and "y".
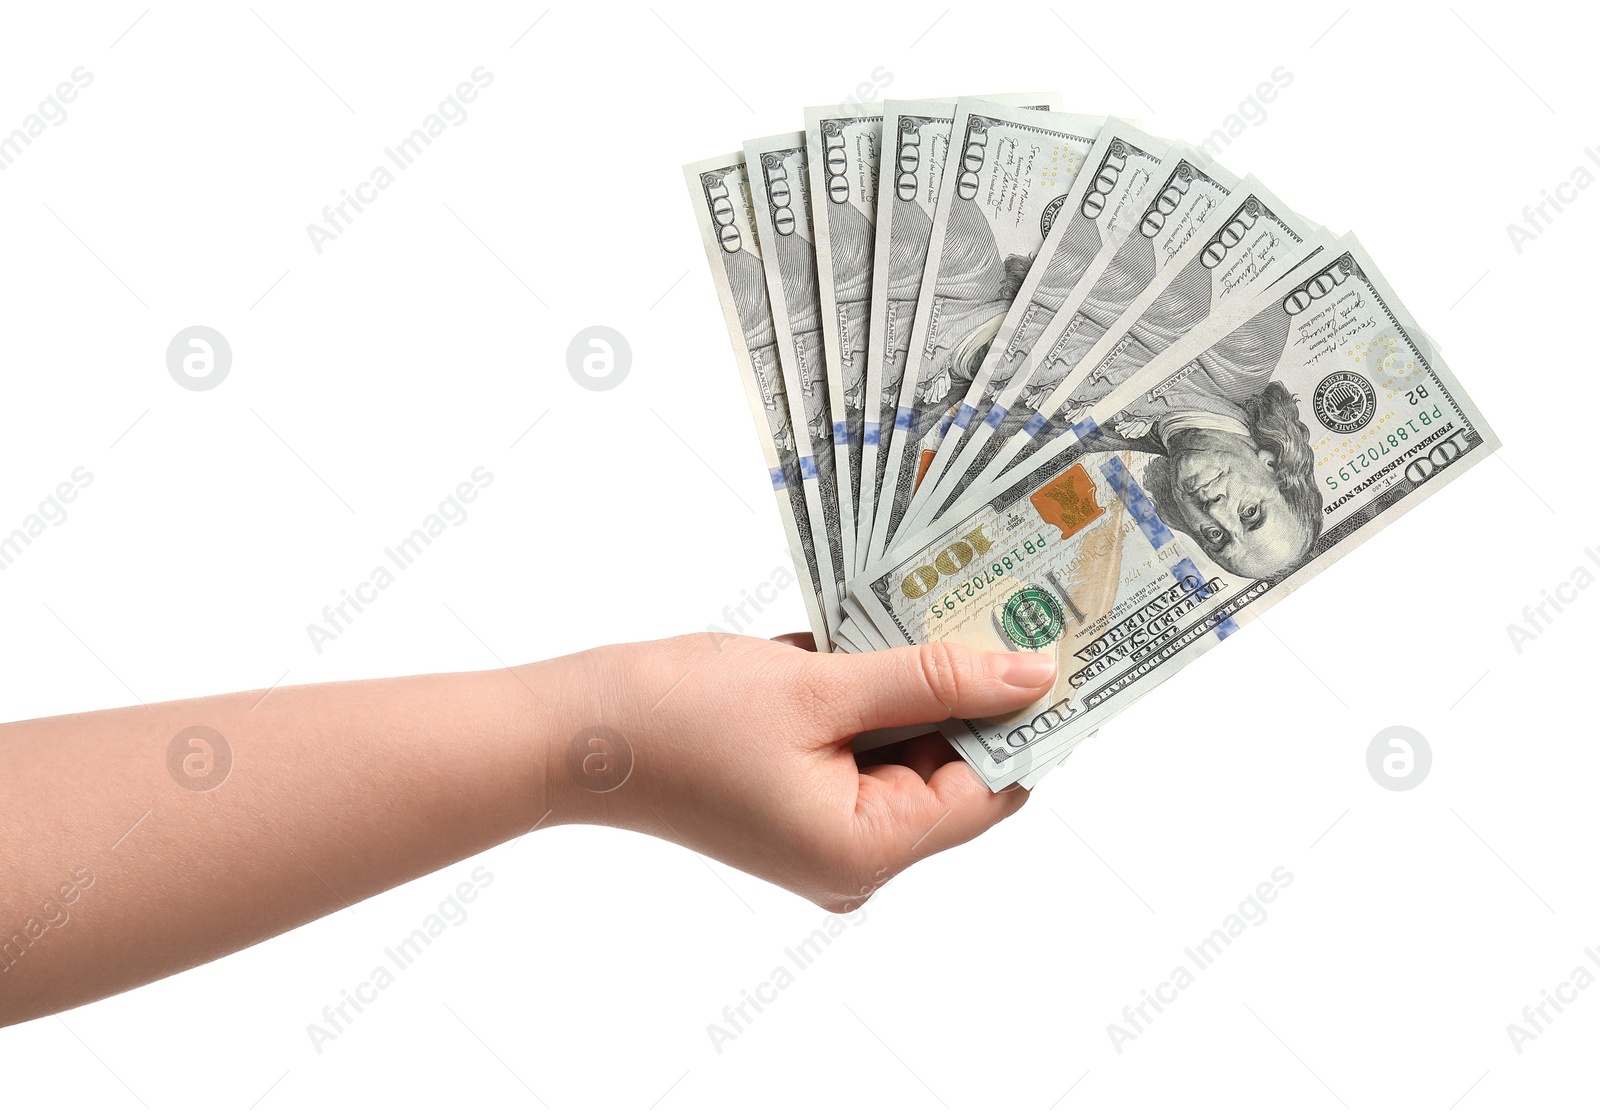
{"x": 951, "y": 559}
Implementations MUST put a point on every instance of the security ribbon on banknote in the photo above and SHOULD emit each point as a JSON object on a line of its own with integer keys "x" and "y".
{"x": 1237, "y": 466}
{"x": 1188, "y": 195}
{"x": 720, "y": 192}
{"x": 779, "y": 192}
{"x": 1098, "y": 212}
{"x": 842, "y": 152}
{"x": 1008, "y": 175}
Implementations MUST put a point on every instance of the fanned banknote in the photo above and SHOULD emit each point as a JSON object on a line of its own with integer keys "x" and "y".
{"x": 1256, "y": 240}
{"x": 1036, "y": 381}
{"x": 917, "y": 140}
{"x": 913, "y": 161}
{"x": 1009, "y": 173}
{"x": 779, "y": 193}
{"x": 1240, "y": 464}
{"x": 1119, "y": 173}
{"x": 720, "y": 192}
{"x": 842, "y": 151}
{"x": 1190, "y": 193}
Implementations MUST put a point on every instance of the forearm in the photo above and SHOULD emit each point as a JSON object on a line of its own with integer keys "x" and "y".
{"x": 334, "y": 792}
{"x": 120, "y": 863}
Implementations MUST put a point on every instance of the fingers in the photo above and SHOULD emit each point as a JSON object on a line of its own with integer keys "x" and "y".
{"x": 902, "y": 819}
{"x": 958, "y": 807}
{"x": 888, "y": 754}
{"x": 926, "y": 684}
{"x": 926, "y": 753}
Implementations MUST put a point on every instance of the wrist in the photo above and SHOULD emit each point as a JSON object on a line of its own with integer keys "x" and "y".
{"x": 582, "y": 737}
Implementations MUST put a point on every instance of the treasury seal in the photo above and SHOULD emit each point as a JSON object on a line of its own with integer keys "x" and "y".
{"x": 1032, "y": 618}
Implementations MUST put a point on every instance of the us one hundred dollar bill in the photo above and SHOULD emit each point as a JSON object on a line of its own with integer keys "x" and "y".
{"x": 843, "y": 154}
{"x": 1255, "y": 240}
{"x": 1119, "y": 173}
{"x": 913, "y": 159}
{"x": 720, "y": 192}
{"x": 780, "y": 194}
{"x": 1008, "y": 174}
{"x": 1036, "y": 381}
{"x": 1237, "y": 466}
{"x": 1189, "y": 193}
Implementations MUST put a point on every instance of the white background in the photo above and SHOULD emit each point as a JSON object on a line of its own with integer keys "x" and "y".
{"x": 369, "y": 379}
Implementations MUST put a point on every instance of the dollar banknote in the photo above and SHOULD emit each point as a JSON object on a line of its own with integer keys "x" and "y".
{"x": 1106, "y": 198}
{"x": 1240, "y": 463}
{"x": 843, "y": 154}
{"x": 1026, "y": 380}
{"x": 1260, "y": 240}
{"x": 1189, "y": 194}
{"x": 1009, "y": 173}
{"x": 780, "y": 194}
{"x": 1255, "y": 240}
{"x": 850, "y": 638}
{"x": 912, "y": 169}
{"x": 720, "y": 192}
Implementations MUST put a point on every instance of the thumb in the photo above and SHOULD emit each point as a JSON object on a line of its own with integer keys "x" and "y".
{"x": 927, "y": 684}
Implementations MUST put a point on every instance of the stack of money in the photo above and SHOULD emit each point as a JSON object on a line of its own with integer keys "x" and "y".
{"x": 1030, "y": 380}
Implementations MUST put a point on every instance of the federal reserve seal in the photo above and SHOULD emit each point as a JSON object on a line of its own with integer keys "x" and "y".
{"x": 1032, "y": 618}
{"x": 1345, "y": 402}
{"x": 1051, "y": 209}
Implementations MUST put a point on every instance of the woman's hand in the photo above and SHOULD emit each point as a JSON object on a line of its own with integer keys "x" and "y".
{"x": 741, "y": 749}
{"x": 329, "y": 793}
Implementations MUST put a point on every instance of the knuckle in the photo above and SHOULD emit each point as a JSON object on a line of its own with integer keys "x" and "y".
{"x": 943, "y": 666}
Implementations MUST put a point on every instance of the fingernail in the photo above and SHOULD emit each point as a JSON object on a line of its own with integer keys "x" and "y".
{"x": 1026, "y": 670}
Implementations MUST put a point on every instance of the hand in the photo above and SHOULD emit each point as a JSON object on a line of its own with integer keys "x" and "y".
{"x": 733, "y": 746}
{"x": 741, "y": 749}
